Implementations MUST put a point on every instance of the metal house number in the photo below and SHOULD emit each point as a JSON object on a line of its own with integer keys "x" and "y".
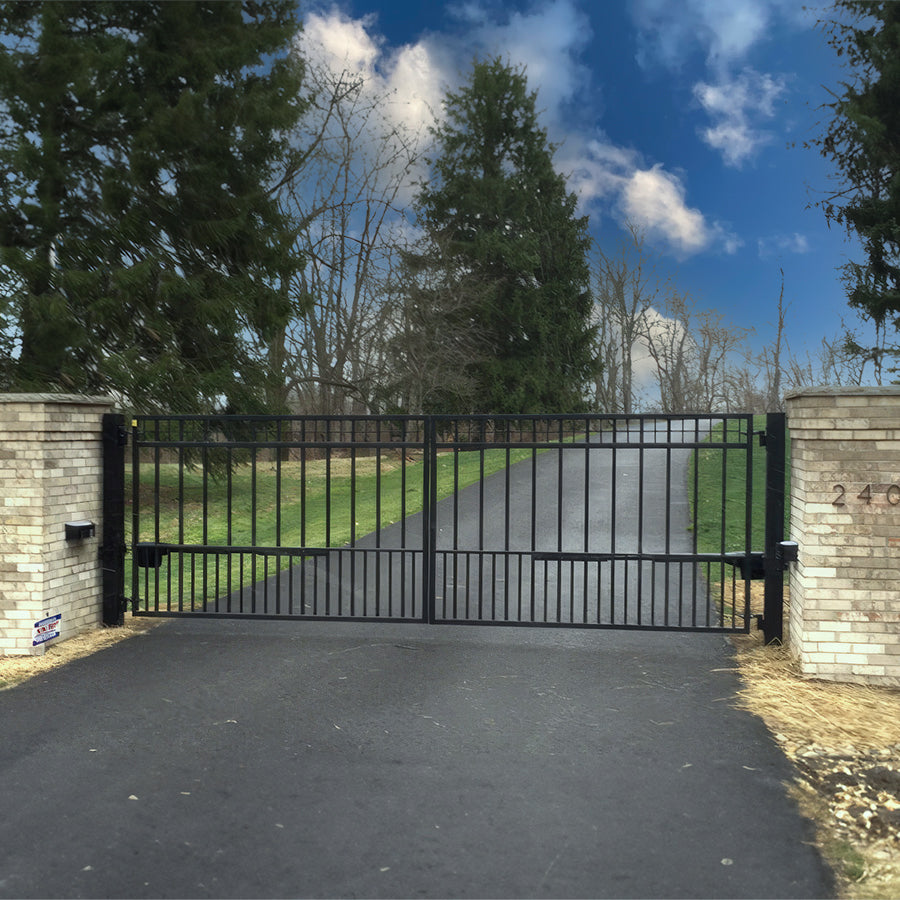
{"x": 868, "y": 493}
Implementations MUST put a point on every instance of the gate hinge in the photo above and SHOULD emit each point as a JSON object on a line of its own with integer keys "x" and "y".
{"x": 122, "y": 435}
{"x": 762, "y": 438}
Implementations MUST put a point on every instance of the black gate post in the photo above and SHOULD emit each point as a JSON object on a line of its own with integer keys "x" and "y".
{"x": 773, "y": 604}
{"x": 112, "y": 550}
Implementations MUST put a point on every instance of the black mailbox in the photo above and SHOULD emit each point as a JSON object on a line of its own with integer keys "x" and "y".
{"x": 78, "y": 531}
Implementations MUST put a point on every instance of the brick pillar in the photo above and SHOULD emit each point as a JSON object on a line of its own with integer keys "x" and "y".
{"x": 50, "y": 474}
{"x": 845, "y": 516}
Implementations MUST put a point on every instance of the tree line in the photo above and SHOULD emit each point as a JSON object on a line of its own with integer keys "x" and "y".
{"x": 194, "y": 218}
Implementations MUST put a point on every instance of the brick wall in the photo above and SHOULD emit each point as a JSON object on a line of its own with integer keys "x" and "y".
{"x": 50, "y": 474}
{"x": 845, "y": 515}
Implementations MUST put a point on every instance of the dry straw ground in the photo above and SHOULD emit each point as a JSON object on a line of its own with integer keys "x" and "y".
{"x": 844, "y": 741}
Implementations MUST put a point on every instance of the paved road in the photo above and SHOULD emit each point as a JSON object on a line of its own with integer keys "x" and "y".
{"x": 308, "y": 759}
{"x": 294, "y": 759}
{"x": 538, "y": 542}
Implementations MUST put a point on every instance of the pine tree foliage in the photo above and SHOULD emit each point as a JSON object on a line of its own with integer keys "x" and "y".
{"x": 507, "y": 222}
{"x": 432, "y": 341}
{"x": 140, "y": 250}
{"x": 862, "y": 140}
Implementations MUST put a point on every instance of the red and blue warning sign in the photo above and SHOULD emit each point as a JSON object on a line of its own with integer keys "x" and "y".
{"x": 45, "y": 630}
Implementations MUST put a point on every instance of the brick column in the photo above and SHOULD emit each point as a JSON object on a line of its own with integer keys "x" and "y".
{"x": 50, "y": 474}
{"x": 845, "y": 516}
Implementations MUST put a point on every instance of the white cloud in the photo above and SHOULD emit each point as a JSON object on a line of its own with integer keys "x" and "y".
{"x": 779, "y": 244}
{"x": 410, "y": 74}
{"x": 605, "y": 175}
{"x": 735, "y": 105}
{"x": 547, "y": 40}
{"x": 724, "y": 30}
{"x": 655, "y": 200}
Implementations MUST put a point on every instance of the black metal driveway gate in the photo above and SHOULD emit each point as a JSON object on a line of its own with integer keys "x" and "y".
{"x": 575, "y": 521}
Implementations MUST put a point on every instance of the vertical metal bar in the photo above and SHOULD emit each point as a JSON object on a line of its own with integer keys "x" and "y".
{"x": 429, "y": 518}
{"x": 193, "y": 559}
{"x": 353, "y": 518}
{"x": 667, "y": 565}
{"x": 278, "y": 558}
{"x": 613, "y": 478}
{"x": 241, "y": 582}
{"x": 748, "y": 517}
{"x": 137, "y": 433}
{"x": 506, "y": 523}
{"x": 559, "y": 519}
{"x": 457, "y": 450}
{"x": 278, "y": 474}
{"x": 217, "y": 560}
{"x": 254, "y": 506}
{"x": 180, "y": 453}
{"x": 640, "y": 527}
{"x": 773, "y": 603}
{"x": 328, "y": 520}
{"x": 328, "y": 490}
{"x": 587, "y": 519}
{"x": 481, "y": 453}
{"x": 723, "y": 508}
{"x": 695, "y": 569}
{"x": 378, "y": 519}
{"x": 229, "y": 497}
{"x": 205, "y": 520}
{"x": 305, "y": 561}
{"x": 112, "y": 550}
{"x": 403, "y": 487}
{"x": 156, "y": 499}
{"x": 533, "y": 579}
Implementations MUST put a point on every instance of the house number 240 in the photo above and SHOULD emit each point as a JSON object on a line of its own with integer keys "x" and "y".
{"x": 868, "y": 493}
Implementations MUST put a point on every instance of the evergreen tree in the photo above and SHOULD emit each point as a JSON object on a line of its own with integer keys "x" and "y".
{"x": 140, "y": 250}
{"x": 862, "y": 140}
{"x": 504, "y": 219}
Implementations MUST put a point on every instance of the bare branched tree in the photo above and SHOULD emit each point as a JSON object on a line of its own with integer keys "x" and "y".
{"x": 625, "y": 285}
{"x": 346, "y": 199}
{"x": 835, "y": 363}
{"x": 692, "y": 353}
{"x": 760, "y": 383}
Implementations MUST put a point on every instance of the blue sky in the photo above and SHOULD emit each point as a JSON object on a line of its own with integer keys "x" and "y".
{"x": 678, "y": 115}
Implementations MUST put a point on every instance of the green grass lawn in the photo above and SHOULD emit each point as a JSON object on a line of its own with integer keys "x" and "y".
{"x": 721, "y": 486}
{"x": 323, "y": 503}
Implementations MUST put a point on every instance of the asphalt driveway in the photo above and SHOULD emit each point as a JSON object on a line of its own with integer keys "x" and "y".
{"x": 308, "y": 759}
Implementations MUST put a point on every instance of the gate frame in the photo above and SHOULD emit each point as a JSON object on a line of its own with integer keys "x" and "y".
{"x": 114, "y": 548}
